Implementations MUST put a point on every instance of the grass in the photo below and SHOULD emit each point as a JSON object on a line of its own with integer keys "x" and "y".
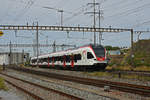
{"x": 99, "y": 74}
{"x": 118, "y": 67}
{"x": 139, "y": 68}
{"x": 141, "y": 55}
{"x": 2, "y": 85}
{"x": 1, "y": 68}
{"x": 139, "y": 77}
{"x": 142, "y": 68}
{"x": 123, "y": 76}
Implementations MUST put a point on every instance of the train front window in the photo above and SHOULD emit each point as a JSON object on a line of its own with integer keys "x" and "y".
{"x": 99, "y": 51}
{"x": 89, "y": 55}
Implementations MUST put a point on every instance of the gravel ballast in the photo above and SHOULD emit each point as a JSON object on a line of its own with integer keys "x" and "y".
{"x": 90, "y": 93}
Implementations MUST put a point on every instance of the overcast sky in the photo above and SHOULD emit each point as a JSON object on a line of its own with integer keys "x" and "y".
{"x": 115, "y": 13}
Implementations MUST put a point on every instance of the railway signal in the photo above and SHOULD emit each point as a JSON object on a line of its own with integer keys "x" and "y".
{"x": 1, "y": 33}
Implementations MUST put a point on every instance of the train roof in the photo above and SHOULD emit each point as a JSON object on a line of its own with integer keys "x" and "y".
{"x": 92, "y": 45}
{"x": 97, "y": 45}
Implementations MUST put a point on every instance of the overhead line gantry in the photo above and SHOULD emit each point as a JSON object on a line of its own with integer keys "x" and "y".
{"x": 65, "y": 28}
{"x": 61, "y": 28}
{"x": 34, "y": 45}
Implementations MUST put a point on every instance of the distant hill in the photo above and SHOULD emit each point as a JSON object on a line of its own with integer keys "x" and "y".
{"x": 141, "y": 54}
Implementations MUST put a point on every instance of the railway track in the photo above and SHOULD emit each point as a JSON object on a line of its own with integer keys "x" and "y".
{"x": 143, "y": 73}
{"x": 34, "y": 89}
{"x": 128, "y": 71}
{"x": 132, "y": 88}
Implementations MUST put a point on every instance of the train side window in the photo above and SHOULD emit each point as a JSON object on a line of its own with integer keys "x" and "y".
{"x": 41, "y": 60}
{"x": 55, "y": 59}
{"x": 62, "y": 58}
{"x": 75, "y": 58}
{"x": 89, "y": 55}
{"x": 67, "y": 58}
{"x": 50, "y": 59}
{"x": 34, "y": 60}
{"x": 59, "y": 58}
{"x": 79, "y": 57}
{"x": 44, "y": 60}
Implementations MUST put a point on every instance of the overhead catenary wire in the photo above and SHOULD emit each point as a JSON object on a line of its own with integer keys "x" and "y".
{"x": 143, "y": 23}
{"x": 116, "y": 3}
{"x": 24, "y": 10}
{"x": 115, "y": 16}
{"x": 77, "y": 13}
{"x": 136, "y": 11}
{"x": 60, "y": 4}
{"x": 123, "y": 4}
{"x": 6, "y": 14}
{"x": 130, "y": 11}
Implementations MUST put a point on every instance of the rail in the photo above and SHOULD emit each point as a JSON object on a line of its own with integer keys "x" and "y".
{"x": 36, "y": 97}
{"x": 126, "y": 87}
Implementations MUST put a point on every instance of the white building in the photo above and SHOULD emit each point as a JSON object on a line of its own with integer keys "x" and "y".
{"x": 114, "y": 52}
{"x": 13, "y": 58}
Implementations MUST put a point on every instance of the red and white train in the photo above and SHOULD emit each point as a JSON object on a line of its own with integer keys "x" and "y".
{"x": 86, "y": 57}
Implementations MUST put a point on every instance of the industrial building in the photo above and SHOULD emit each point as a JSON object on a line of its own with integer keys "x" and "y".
{"x": 114, "y": 52}
{"x": 13, "y": 58}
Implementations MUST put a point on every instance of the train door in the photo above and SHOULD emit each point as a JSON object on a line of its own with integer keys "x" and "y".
{"x": 84, "y": 57}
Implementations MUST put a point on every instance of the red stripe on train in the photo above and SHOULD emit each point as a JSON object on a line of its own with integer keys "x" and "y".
{"x": 72, "y": 61}
{"x": 64, "y": 61}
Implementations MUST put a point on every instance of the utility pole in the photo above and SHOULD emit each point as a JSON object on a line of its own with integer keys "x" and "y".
{"x": 132, "y": 49}
{"x": 10, "y": 53}
{"x": 46, "y": 40}
{"x": 99, "y": 14}
{"x": 37, "y": 43}
{"x": 94, "y": 23}
{"x": 34, "y": 48}
{"x": 61, "y": 12}
{"x": 54, "y": 46}
{"x": 58, "y": 10}
{"x": 100, "y": 33}
{"x": 23, "y": 56}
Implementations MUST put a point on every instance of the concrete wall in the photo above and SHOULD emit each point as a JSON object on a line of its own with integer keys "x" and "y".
{"x": 4, "y": 59}
{"x": 14, "y": 58}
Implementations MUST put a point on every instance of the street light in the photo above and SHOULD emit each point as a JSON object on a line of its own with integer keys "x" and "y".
{"x": 61, "y": 12}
